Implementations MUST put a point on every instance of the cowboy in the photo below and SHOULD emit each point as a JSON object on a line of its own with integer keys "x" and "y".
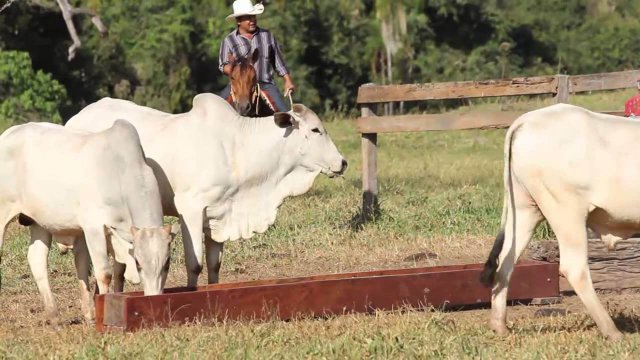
{"x": 632, "y": 106}
{"x": 243, "y": 41}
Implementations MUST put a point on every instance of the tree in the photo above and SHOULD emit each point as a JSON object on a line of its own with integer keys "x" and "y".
{"x": 68, "y": 12}
{"x": 160, "y": 53}
{"x": 27, "y": 95}
{"x": 393, "y": 28}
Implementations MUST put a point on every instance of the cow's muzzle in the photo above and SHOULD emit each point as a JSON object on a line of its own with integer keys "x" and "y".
{"x": 343, "y": 168}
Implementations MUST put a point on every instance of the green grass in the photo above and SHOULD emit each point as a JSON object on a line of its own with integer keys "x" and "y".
{"x": 440, "y": 192}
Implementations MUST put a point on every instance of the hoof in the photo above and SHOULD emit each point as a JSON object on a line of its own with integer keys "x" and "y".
{"x": 52, "y": 317}
{"x": 615, "y": 336}
{"x": 500, "y": 329}
{"x": 89, "y": 319}
{"x": 54, "y": 323}
{"x": 88, "y": 307}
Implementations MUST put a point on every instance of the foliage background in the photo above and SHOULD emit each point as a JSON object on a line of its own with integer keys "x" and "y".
{"x": 160, "y": 52}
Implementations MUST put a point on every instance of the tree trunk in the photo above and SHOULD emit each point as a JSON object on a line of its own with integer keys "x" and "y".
{"x": 390, "y": 75}
{"x": 6, "y": 5}
{"x": 383, "y": 77}
{"x": 68, "y": 12}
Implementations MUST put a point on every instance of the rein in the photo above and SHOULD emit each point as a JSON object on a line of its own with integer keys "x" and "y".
{"x": 288, "y": 94}
{"x": 256, "y": 97}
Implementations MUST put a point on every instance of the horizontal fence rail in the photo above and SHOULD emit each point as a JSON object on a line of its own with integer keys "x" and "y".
{"x": 456, "y": 90}
{"x": 436, "y": 122}
{"x": 371, "y": 94}
{"x": 441, "y": 122}
{"x": 369, "y": 124}
{"x": 604, "y": 81}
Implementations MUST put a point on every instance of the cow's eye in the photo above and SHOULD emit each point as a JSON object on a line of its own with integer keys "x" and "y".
{"x": 316, "y": 130}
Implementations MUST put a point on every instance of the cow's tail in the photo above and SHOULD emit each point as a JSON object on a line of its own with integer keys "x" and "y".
{"x": 487, "y": 277}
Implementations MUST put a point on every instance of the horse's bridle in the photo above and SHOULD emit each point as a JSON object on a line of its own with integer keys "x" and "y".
{"x": 256, "y": 97}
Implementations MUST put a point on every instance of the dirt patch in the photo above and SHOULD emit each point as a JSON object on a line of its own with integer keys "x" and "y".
{"x": 21, "y": 310}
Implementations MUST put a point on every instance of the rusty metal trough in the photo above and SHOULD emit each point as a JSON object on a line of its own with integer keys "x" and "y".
{"x": 323, "y": 295}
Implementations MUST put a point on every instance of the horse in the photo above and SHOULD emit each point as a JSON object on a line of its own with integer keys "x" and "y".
{"x": 245, "y": 95}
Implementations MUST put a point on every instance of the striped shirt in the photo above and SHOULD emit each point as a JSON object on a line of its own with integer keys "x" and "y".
{"x": 270, "y": 55}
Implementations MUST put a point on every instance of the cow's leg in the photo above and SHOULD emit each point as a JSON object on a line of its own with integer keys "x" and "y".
{"x": 569, "y": 227}
{"x": 518, "y": 232}
{"x": 3, "y": 228}
{"x": 118, "y": 276}
{"x": 610, "y": 241}
{"x": 191, "y": 225}
{"x": 96, "y": 241}
{"x": 38, "y": 258}
{"x": 82, "y": 262}
{"x": 214, "y": 258}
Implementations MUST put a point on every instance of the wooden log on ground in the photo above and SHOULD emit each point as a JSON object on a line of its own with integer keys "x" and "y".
{"x": 611, "y": 271}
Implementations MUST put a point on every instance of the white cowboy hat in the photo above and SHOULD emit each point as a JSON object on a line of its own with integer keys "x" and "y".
{"x": 245, "y": 7}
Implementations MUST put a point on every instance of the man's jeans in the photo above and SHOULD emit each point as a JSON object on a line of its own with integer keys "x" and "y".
{"x": 270, "y": 89}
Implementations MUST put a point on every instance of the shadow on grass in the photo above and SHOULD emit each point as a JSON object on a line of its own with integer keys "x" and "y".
{"x": 361, "y": 218}
{"x": 627, "y": 323}
{"x": 369, "y": 212}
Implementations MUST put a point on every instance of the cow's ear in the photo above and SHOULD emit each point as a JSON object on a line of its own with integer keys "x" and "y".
{"x": 166, "y": 231}
{"x": 283, "y": 119}
{"x": 134, "y": 231}
{"x": 299, "y": 109}
{"x": 121, "y": 248}
{"x": 123, "y": 254}
{"x": 175, "y": 229}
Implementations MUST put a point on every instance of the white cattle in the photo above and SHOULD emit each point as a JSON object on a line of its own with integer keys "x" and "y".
{"x": 220, "y": 172}
{"x": 66, "y": 182}
{"x": 578, "y": 169}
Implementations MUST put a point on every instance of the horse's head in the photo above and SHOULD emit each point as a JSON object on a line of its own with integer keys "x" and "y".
{"x": 244, "y": 82}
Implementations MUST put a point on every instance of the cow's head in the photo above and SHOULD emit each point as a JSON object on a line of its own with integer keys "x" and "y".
{"x": 152, "y": 254}
{"x": 146, "y": 258}
{"x": 314, "y": 149}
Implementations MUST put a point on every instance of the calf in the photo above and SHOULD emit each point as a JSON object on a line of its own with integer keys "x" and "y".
{"x": 94, "y": 187}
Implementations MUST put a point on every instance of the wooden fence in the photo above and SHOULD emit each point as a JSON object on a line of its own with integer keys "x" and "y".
{"x": 369, "y": 125}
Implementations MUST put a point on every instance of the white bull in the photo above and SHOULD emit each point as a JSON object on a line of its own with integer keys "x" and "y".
{"x": 578, "y": 169}
{"x": 68, "y": 182}
{"x": 221, "y": 172}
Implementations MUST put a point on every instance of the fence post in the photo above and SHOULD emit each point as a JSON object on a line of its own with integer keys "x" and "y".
{"x": 562, "y": 94}
{"x": 369, "y": 142}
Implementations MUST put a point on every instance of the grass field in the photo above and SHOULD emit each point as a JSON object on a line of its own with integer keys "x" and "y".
{"x": 440, "y": 192}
